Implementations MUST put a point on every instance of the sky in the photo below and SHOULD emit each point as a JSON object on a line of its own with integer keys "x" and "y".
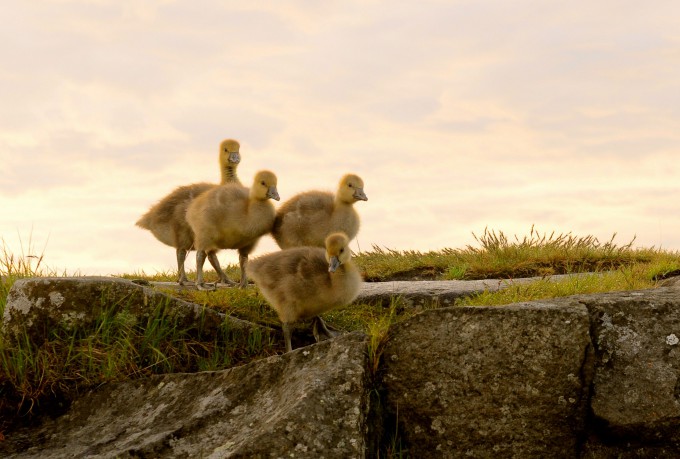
{"x": 459, "y": 116}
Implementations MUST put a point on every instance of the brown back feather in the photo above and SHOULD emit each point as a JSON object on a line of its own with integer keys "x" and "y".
{"x": 164, "y": 210}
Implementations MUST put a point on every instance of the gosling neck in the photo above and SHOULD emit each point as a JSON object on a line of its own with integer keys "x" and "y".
{"x": 229, "y": 173}
{"x": 339, "y": 201}
{"x": 341, "y": 272}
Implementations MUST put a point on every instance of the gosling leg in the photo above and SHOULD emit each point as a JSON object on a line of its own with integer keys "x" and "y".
{"x": 181, "y": 256}
{"x": 200, "y": 260}
{"x": 243, "y": 261}
{"x": 319, "y": 328}
{"x": 287, "y": 336}
{"x": 212, "y": 258}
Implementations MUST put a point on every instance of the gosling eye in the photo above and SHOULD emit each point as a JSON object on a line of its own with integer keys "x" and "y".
{"x": 342, "y": 250}
{"x": 351, "y": 186}
{"x": 263, "y": 184}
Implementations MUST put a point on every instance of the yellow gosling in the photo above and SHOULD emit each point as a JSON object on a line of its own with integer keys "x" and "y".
{"x": 167, "y": 219}
{"x": 303, "y": 282}
{"x": 232, "y": 217}
{"x": 307, "y": 218}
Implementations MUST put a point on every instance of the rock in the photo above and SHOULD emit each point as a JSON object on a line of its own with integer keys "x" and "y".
{"x": 490, "y": 381}
{"x": 636, "y": 390}
{"x": 673, "y": 281}
{"x": 309, "y": 403}
{"x": 627, "y": 450}
{"x": 590, "y": 376}
{"x": 38, "y": 305}
{"x": 424, "y": 293}
{"x": 439, "y": 293}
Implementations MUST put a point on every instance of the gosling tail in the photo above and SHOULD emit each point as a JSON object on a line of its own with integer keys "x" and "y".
{"x": 144, "y": 222}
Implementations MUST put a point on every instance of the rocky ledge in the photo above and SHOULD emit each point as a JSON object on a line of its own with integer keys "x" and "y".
{"x": 594, "y": 376}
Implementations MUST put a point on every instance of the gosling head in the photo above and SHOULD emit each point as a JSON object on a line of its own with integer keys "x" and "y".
{"x": 229, "y": 152}
{"x": 351, "y": 189}
{"x": 337, "y": 251}
{"x": 264, "y": 186}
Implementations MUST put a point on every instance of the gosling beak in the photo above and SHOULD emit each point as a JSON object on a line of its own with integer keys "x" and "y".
{"x": 273, "y": 193}
{"x": 333, "y": 264}
{"x": 235, "y": 157}
{"x": 359, "y": 194}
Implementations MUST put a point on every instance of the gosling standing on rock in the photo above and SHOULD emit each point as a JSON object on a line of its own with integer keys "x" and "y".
{"x": 304, "y": 282}
{"x": 307, "y": 218}
{"x": 232, "y": 217}
{"x": 167, "y": 219}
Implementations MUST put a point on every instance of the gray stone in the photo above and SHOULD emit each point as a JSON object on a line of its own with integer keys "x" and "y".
{"x": 670, "y": 282}
{"x": 490, "y": 381}
{"x": 424, "y": 293}
{"x": 37, "y": 305}
{"x": 440, "y": 293}
{"x": 592, "y": 376}
{"x": 636, "y": 390}
{"x": 596, "y": 449}
{"x": 309, "y": 403}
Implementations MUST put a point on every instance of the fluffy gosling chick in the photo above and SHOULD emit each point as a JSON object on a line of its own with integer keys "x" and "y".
{"x": 307, "y": 218}
{"x": 167, "y": 218}
{"x": 304, "y": 282}
{"x": 232, "y": 217}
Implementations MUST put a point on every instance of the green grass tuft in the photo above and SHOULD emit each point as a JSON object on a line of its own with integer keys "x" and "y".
{"x": 118, "y": 346}
{"x": 626, "y": 278}
{"x": 499, "y": 256}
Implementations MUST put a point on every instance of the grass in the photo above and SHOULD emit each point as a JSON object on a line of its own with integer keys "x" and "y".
{"x": 117, "y": 346}
{"x": 498, "y": 256}
{"x": 28, "y": 262}
{"x": 624, "y": 278}
{"x": 37, "y": 378}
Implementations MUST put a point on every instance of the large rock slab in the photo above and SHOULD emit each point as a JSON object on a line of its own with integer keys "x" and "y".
{"x": 422, "y": 293}
{"x": 490, "y": 381}
{"x": 591, "y": 376}
{"x": 309, "y": 403}
{"x": 36, "y": 306}
{"x": 440, "y": 293}
{"x": 636, "y": 389}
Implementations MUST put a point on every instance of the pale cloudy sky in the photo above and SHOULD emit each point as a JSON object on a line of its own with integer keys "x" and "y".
{"x": 458, "y": 115}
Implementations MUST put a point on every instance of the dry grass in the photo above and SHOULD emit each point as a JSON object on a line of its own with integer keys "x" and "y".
{"x": 499, "y": 256}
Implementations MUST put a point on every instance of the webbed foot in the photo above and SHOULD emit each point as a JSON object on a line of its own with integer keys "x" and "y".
{"x": 226, "y": 282}
{"x": 321, "y": 331}
{"x": 206, "y": 286}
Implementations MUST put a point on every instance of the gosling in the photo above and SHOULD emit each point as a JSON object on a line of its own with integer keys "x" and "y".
{"x": 167, "y": 219}
{"x": 304, "y": 282}
{"x": 232, "y": 217}
{"x": 308, "y": 218}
